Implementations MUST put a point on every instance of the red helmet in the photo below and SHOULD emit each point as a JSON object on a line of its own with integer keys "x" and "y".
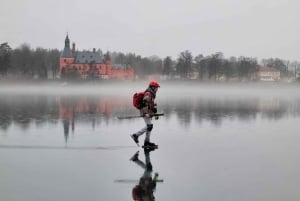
{"x": 153, "y": 84}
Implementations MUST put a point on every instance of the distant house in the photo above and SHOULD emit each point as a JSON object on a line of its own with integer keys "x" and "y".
{"x": 297, "y": 73}
{"x": 268, "y": 74}
{"x": 193, "y": 74}
{"x": 90, "y": 64}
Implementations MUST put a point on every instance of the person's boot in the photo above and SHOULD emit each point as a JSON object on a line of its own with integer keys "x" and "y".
{"x": 149, "y": 144}
{"x": 135, "y": 138}
{"x": 147, "y": 150}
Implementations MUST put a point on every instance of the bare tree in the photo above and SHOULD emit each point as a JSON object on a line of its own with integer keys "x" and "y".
{"x": 167, "y": 65}
{"x": 5, "y": 53}
{"x": 184, "y": 63}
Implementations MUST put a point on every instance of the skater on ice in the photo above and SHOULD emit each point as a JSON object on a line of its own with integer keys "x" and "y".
{"x": 144, "y": 102}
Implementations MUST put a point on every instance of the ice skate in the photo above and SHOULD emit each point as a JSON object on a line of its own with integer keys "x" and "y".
{"x": 150, "y": 145}
{"x": 135, "y": 139}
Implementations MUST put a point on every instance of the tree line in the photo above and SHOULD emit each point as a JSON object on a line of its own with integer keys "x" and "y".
{"x": 213, "y": 66}
{"x": 25, "y": 62}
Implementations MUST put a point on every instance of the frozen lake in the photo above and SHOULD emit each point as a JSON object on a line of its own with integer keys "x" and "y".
{"x": 216, "y": 142}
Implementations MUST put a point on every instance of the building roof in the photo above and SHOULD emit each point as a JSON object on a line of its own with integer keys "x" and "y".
{"x": 66, "y": 53}
{"x": 86, "y": 57}
{"x": 120, "y": 66}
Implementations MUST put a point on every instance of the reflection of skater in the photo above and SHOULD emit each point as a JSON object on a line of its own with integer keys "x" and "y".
{"x": 147, "y": 110}
{"x": 143, "y": 191}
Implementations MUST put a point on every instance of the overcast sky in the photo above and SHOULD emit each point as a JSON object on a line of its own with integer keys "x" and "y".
{"x": 253, "y": 28}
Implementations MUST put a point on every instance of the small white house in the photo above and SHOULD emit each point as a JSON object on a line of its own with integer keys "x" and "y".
{"x": 268, "y": 74}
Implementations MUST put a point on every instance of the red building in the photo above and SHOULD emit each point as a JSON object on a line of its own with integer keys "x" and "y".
{"x": 91, "y": 64}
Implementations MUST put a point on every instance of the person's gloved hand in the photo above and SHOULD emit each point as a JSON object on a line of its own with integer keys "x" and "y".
{"x": 154, "y": 110}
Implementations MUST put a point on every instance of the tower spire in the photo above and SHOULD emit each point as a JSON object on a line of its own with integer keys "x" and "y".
{"x": 67, "y": 41}
{"x": 67, "y": 53}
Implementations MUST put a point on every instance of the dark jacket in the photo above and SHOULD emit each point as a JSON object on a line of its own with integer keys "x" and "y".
{"x": 148, "y": 102}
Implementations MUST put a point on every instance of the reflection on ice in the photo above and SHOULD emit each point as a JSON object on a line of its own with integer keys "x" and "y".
{"x": 23, "y": 110}
{"x": 144, "y": 190}
{"x": 64, "y": 147}
{"x": 146, "y": 185}
{"x": 215, "y": 133}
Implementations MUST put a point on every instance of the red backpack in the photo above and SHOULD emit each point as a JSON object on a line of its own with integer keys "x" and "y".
{"x": 137, "y": 100}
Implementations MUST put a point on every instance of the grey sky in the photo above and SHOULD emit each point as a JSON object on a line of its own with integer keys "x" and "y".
{"x": 254, "y": 28}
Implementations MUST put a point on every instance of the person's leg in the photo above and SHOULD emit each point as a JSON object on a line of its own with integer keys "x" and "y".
{"x": 144, "y": 129}
{"x": 149, "y": 127}
{"x": 148, "y": 169}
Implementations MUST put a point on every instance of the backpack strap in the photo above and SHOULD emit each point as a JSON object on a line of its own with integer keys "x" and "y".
{"x": 150, "y": 92}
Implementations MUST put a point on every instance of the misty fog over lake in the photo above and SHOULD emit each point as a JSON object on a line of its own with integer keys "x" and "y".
{"x": 63, "y": 141}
